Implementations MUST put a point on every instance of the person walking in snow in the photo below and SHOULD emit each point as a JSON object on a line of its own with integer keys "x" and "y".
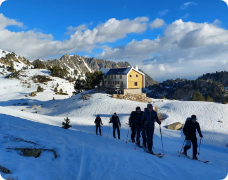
{"x": 135, "y": 122}
{"x": 189, "y": 130}
{"x": 116, "y": 125}
{"x": 148, "y": 120}
{"x": 98, "y": 123}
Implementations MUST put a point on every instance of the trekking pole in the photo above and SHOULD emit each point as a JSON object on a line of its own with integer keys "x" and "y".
{"x": 108, "y": 129}
{"x": 199, "y": 146}
{"x": 162, "y": 141}
{"x": 182, "y": 148}
{"x": 127, "y": 133}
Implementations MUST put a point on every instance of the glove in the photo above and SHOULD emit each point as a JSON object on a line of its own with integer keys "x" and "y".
{"x": 201, "y": 135}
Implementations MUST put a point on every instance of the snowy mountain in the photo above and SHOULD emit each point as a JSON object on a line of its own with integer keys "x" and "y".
{"x": 19, "y": 62}
{"x": 83, "y": 65}
{"x": 35, "y": 122}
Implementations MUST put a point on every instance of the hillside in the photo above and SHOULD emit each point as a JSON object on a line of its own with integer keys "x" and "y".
{"x": 182, "y": 89}
{"x": 221, "y": 77}
{"x": 83, "y": 155}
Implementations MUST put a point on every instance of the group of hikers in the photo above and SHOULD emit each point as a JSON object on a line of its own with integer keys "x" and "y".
{"x": 142, "y": 124}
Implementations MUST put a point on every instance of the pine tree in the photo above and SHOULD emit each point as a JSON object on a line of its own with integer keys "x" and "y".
{"x": 66, "y": 124}
{"x": 209, "y": 99}
{"x": 56, "y": 90}
{"x": 163, "y": 96}
{"x": 40, "y": 89}
{"x": 61, "y": 91}
{"x": 198, "y": 97}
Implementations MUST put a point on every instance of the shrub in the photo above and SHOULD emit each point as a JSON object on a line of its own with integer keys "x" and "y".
{"x": 40, "y": 89}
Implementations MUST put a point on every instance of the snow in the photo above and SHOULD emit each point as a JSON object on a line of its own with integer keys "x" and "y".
{"x": 3, "y": 54}
{"x": 86, "y": 65}
{"x": 84, "y": 155}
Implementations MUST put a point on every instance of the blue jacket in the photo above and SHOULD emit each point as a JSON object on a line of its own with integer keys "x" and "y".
{"x": 149, "y": 118}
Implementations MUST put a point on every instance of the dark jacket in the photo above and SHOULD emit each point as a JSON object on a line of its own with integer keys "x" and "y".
{"x": 115, "y": 121}
{"x": 98, "y": 121}
{"x": 136, "y": 118}
{"x": 149, "y": 118}
{"x": 190, "y": 129}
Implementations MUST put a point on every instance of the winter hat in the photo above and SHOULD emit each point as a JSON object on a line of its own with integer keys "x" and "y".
{"x": 138, "y": 108}
{"x": 149, "y": 105}
{"x": 98, "y": 115}
{"x": 193, "y": 117}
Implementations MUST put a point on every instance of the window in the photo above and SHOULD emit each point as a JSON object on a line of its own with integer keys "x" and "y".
{"x": 115, "y": 82}
{"x": 105, "y": 83}
{"x": 120, "y": 76}
{"x": 121, "y": 82}
{"x": 136, "y": 75}
{"x": 136, "y": 84}
{"x": 130, "y": 76}
{"x": 114, "y": 76}
{"x": 118, "y": 82}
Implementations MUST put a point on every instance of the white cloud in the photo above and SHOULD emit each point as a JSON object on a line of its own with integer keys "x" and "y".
{"x": 186, "y": 49}
{"x": 72, "y": 30}
{"x": 157, "y": 23}
{"x": 32, "y": 44}
{"x": 185, "y": 5}
{"x": 185, "y": 16}
{"x": 4, "y": 22}
{"x": 161, "y": 13}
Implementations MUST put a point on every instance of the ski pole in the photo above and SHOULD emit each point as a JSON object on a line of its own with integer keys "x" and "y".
{"x": 199, "y": 146}
{"x": 162, "y": 141}
{"x": 102, "y": 130}
{"x": 182, "y": 148}
{"x": 127, "y": 133}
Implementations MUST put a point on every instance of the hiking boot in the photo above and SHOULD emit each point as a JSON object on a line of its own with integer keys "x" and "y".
{"x": 118, "y": 137}
{"x": 194, "y": 157}
{"x": 184, "y": 153}
{"x": 133, "y": 140}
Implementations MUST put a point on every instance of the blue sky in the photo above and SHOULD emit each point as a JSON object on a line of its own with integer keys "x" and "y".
{"x": 43, "y": 27}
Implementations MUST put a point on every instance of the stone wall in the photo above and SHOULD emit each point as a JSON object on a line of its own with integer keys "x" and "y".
{"x": 132, "y": 91}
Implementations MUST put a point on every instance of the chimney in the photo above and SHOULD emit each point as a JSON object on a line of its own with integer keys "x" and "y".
{"x": 136, "y": 67}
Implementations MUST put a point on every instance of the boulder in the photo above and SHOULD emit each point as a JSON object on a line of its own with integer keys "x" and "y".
{"x": 34, "y": 106}
{"x": 175, "y": 126}
{"x": 23, "y": 110}
{"x": 38, "y": 108}
{"x": 114, "y": 95}
{"x": 33, "y": 94}
{"x": 29, "y": 86}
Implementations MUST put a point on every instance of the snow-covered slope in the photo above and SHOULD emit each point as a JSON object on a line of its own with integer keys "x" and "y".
{"x": 84, "y": 155}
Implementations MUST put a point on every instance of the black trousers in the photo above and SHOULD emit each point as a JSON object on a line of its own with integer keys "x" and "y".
{"x": 194, "y": 144}
{"x": 150, "y": 136}
{"x": 133, "y": 132}
{"x": 114, "y": 131}
{"x": 99, "y": 129}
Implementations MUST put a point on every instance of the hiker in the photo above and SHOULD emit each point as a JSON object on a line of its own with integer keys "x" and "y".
{"x": 148, "y": 120}
{"x": 135, "y": 122}
{"x": 98, "y": 123}
{"x": 116, "y": 124}
{"x": 189, "y": 130}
